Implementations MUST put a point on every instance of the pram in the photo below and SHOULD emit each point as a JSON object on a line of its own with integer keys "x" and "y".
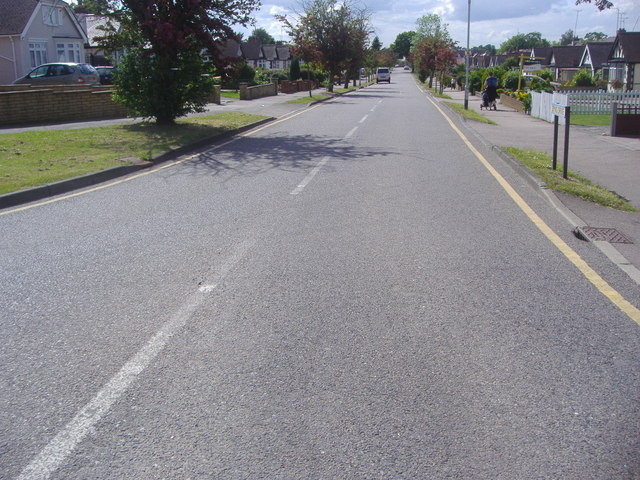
{"x": 488, "y": 99}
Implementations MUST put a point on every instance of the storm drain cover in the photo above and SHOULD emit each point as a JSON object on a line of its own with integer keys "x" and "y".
{"x": 610, "y": 235}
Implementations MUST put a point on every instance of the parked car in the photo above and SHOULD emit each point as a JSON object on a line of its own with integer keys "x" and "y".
{"x": 106, "y": 75}
{"x": 383, "y": 75}
{"x": 61, "y": 74}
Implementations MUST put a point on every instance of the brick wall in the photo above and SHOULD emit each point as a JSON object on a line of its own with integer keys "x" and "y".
{"x": 258, "y": 91}
{"x": 20, "y": 104}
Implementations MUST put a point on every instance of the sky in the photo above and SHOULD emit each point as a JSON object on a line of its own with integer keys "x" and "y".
{"x": 492, "y": 21}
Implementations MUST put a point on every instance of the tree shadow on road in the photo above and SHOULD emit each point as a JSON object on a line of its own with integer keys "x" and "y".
{"x": 251, "y": 156}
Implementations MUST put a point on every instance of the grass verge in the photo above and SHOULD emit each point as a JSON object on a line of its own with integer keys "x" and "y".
{"x": 470, "y": 114}
{"x": 436, "y": 93}
{"x": 36, "y": 158}
{"x": 591, "y": 119}
{"x": 541, "y": 164}
{"x": 308, "y": 99}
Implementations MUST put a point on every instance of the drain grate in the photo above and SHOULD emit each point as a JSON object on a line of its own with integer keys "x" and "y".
{"x": 610, "y": 235}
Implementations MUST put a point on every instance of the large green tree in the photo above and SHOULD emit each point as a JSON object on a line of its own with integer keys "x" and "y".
{"x": 595, "y": 36}
{"x": 402, "y": 44}
{"x": 431, "y": 45}
{"x": 523, "y": 41}
{"x": 263, "y": 36}
{"x": 97, "y": 7}
{"x": 567, "y": 38}
{"x": 330, "y": 33}
{"x": 162, "y": 76}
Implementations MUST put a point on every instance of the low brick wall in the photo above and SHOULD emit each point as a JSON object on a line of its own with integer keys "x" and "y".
{"x": 511, "y": 102}
{"x": 297, "y": 86}
{"x": 250, "y": 93}
{"x": 24, "y": 104}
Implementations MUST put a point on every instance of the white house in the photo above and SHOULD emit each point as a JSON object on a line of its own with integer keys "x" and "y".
{"x": 33, "y": 32}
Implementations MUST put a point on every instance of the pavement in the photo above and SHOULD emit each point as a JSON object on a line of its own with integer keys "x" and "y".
{"x": 611, "y": 162}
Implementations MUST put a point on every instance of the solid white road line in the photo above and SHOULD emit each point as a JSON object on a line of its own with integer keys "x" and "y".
{"x": 65, "y": 442}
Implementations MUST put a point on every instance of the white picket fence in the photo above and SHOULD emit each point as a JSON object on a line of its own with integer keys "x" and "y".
{"x": 601, "y": 102}
{"x": 541, "y": 105}
{"x": 581, "y": 102}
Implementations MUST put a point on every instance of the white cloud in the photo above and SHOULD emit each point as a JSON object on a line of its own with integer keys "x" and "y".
{"x": 491, "y": 21}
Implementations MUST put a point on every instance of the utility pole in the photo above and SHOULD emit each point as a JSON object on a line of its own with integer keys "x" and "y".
{"x": 467, "y": 59}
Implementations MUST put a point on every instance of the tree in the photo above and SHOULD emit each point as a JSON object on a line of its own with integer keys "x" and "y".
{"x": 488, "y": 48}
{"x": 96, "y": 7}
{"x": 567, "y": 38}
{"x": 376, "y": 44}
{"x": 431, "y": 43}
{"x": 402, "y": 45}
{"x": 330, "y": 33}
{"x": 523, "y": 41}
{"x": 263, "y": 36}
{"x": 162, "y": 74}
{"x": 294, "y": 70}
{"x": 595, "y": 37}
{"x": 601, "y": 4}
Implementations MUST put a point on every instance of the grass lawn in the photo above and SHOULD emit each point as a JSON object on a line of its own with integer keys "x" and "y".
{"x": 471, "y": 114}
{"x": 230, "y": 94}
{"x": 36, "y": 158}
{"x": 591, "y": 119}
{"x": 576, "y": 185}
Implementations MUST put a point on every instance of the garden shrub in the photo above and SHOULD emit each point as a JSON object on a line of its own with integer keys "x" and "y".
{"x": 510, "y": 80}
{"x": 583, "y": 79}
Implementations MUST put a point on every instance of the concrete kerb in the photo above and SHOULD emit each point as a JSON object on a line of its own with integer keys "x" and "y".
{"x": 64, "y": 186}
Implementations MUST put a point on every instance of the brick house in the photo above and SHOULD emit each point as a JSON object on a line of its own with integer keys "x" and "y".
{"x": 33, "y": 32}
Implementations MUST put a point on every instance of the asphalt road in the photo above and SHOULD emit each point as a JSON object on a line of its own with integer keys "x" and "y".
{"x": 345, "y": 294}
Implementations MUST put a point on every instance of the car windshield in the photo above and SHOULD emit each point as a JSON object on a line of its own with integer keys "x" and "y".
{"x": 383, "y": 70}
{"x": 88, "y": 69}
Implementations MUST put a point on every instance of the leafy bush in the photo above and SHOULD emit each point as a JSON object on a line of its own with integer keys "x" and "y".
{"x": 264, "y": 77}
{"x": 161, "y": 88}
{"x": 246, "y": 73}
{"x": 540, "y": 85}
{"x": 510, "y": 80}
{"x": 475, "y": 80}
{"x": 583, "y": 79}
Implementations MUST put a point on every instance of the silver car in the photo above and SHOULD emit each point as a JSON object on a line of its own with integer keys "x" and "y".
{"x": 383, "y": 74}
{"x": 61, "y": 74}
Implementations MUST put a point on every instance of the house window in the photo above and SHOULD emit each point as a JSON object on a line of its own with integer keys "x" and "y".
{"x": 262, "y": 63}
{"x": 37, "y": 53}
{"x": 68, "y": 52}
{"x": 52, "y": 16}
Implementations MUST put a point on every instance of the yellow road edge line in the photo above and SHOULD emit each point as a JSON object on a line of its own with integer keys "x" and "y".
{"x": 590, "y": 274}
{"x": 151, "y": 170}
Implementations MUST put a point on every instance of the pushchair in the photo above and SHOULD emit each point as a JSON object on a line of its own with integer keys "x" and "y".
{"x": 488, "y": 100}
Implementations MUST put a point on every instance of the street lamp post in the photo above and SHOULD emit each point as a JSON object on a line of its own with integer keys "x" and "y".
{"x": 467, "y": 60}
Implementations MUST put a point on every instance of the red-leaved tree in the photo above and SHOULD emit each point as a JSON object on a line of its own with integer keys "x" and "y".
{"x": 163, "y": 74}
